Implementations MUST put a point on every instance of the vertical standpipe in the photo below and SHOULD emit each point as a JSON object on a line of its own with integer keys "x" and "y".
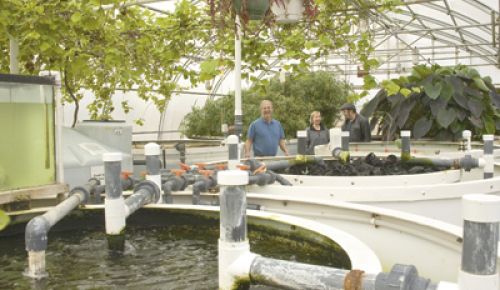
{"x": 345, "y": 140}
{"x": 488, "y": 156}
{"x": 405, "y": 145}
{"x": 466, "y": 134}
{"x": 233, "y": 242}
{"x": 301, "y": 142}
{"x": 153, "y": 164}
{"x": 114, "y": 205}
{"x": 481, "y": 214}
{"x": 233, "y": 152}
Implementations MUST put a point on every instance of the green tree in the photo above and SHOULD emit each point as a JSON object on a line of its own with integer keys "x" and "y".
{"x": 293, "y": 101}
{"x": 104, "y": 49}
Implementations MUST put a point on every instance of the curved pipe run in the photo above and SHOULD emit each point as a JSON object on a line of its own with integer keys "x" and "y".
{"x": 38, "y": 228}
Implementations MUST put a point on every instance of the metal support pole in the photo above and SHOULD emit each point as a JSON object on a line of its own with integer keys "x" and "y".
{"x": 233, "y": 151}
{"x": 234, "y": 248}
{"x": 405, "y": 145}
{"x": 481, "y": 215}
{"x": 153, "y": 164}
{"x": 488, "y": 156}
{"x": 301, "y": 142}
{"x": 14, "y": 55}
{"x": 114, "y": 203}
{"x": 238, "y": 115}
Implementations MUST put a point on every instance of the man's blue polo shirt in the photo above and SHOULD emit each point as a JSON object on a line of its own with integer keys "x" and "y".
{"x": 265, "y": 136}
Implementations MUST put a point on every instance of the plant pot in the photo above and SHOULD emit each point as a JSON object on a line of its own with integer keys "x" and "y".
{"x": 291, "y": 12}
{"x": 256, "y": 9}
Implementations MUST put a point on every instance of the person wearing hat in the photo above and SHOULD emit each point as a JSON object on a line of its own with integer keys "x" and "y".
{"x": 357, "y": 125}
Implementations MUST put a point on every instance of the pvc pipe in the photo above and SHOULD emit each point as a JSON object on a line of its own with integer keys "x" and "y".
{"x": 38, "y": 228}
{"x": 292, "y": 275}
{"x": 488, "y": 156}
{"x": 233, "y": 151}
{"x": 202, "y": 185}
{"x": 238, "y": 115}
{"x": 344, "y": 135}
{"x": 114, "y": 203}
{"x": 301, "y": 142}
{"x": 481, "y": 214}
{"x": 233, "y": 242}
{"x": 335, "y": 138}
{"x": 466, "y": 134}
{"x": 405, "y": 145}
{"x": 145, "y": 192}
{"x": 153, "y": 164}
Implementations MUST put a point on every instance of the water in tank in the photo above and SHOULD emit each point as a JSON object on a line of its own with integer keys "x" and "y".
{"x": 26, "y": 132}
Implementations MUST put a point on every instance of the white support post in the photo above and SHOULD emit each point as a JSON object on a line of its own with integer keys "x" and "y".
{"x": 405, "y": 145}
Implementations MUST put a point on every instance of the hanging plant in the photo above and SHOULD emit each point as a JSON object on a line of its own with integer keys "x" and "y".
{"x": 436, "y": 102}
{"x": 260, "y": 9}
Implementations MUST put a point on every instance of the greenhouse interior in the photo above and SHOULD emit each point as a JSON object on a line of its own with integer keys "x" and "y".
{"x": 250, "y": 144}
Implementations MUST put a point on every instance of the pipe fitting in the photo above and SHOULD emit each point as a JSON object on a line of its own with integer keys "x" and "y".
{"x": 35, "y": 236}
{"x": 467, "y": 163}
{"x": 402, "y": 277}
{"x": 85, "y": 190}
{"x": 150, "y": 187}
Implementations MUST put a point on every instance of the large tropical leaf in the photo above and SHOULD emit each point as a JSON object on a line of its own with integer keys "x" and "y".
{"x": 480, "y": 84}
{"x": 476, "y": 107}
{"x": 404, "y": 112}
{"x": 460, "y": 99}
{"x": 447, "y": 91}
{"x": 495, "y": 98}
{"x": 461, "y": 114}
{"x": 422, "y": 127}
{"x": 476, "y": 122}
{"x": 473, "y": 92}
{"x": 433, "y": 90}
{"x": 371, "y": 106}
{"x": 489, "y": 124}
{"x": 437, "y": 105}
{"x": 446, "y": 116}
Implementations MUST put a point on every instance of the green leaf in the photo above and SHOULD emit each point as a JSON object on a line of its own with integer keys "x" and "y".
{"x": 476, "y": 107}
{"x": 391, "y": 87}
{"x": 447, "y": 91}
{"x": 480, "y": 84}
{"x": 421, "y": 127}
{"x": 446, "y": 117}
{"x": 489, "y": 124}
{"x": 4, "y": 220}
{"x": 405, "y": 92}
{"x": 433, "y": 90}
{"x": 369, "y": 82}
{"x": 76, "y": 17}
{"x": 44, "y": 46}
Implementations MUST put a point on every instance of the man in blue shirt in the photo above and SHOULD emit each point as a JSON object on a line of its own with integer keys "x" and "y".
{"x": 265, "y": 134}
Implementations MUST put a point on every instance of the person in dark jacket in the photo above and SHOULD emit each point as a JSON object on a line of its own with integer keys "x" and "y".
{"x": 317, "y": 133}
{"x": 357, "y": 125}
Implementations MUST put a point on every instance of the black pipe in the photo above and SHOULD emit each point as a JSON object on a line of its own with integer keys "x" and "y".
{"x": 202, "y": 185}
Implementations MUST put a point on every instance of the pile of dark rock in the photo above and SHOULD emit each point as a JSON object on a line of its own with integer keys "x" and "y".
{"x": 360, "y": 166}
